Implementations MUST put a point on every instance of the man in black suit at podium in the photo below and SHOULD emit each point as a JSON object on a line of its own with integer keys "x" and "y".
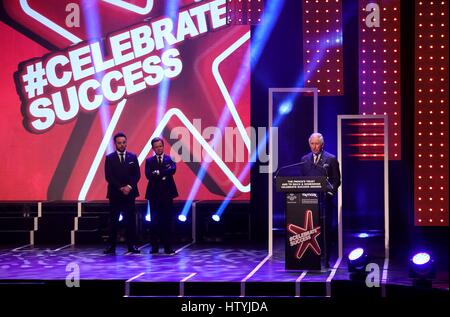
{"x": 161, "y": 190}
{"x": 122, "y": 173}
{"x": 322, "y": 163}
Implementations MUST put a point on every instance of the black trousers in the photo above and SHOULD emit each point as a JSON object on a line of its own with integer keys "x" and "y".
{"x": 127, "y": 207}
{"x": 162, "y": 222}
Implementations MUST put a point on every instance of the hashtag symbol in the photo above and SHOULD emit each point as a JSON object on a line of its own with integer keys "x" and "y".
{"x": 34, "y": 80}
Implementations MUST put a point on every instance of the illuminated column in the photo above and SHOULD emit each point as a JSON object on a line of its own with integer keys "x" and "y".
{"x": 379, "y": 65}
{"x": 322, "y": 46}
{"x": 431, "y": 114}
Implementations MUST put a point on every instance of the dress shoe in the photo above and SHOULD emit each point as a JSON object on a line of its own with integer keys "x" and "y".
{"x": 110, "y": 250}
{"x": 169, "y": 251}
{"x": 133, "y": 250}
{"x": 154, "y": 250}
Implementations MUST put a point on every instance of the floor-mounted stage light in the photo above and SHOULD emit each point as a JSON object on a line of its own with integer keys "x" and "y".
{"x": 422, "y": 269}
{"x": 363, "y": 235}
{"x": 216, "y": 218}
{"x": 357, "y": 261}
{"x": 182, "y": 218}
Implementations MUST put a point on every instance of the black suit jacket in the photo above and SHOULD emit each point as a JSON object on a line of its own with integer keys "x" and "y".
{"x": 327, "y": 166}
{"x": 121, "y": 174}
{"x": 162, "y": 185}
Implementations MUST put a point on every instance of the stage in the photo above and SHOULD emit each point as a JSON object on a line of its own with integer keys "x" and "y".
{"x": 204, "y": 270}
{"x": 63, "y": 254}
{"x": 347, "y": 101}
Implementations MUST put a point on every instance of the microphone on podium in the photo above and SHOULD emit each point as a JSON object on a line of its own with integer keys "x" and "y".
{"x": 287, "y": 166}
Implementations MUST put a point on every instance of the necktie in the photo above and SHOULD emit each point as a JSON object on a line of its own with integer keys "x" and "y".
{"x": 316, "y": 158}
{"x": 122, "y": 159}
{"x": 159, "y": 160}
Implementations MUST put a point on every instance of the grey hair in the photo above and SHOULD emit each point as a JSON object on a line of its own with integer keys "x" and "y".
{"x": 316, "y": 134}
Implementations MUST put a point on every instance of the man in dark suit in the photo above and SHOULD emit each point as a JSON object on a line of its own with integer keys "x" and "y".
{"x": 161, "y": 190}
{"x": 322, "y": 163}
{"x": 122, "y": 173}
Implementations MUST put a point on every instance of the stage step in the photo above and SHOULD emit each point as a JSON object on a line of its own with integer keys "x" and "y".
{"x": 88, "y": 223}
{"x": 25, "y": 208}
{"x": 57, "y": 237}
{"x": 270, "y": 289}
{"x": 14, "y": 237}
{"x": 154, "y": 289}
{"x": 88, "y": 236}
{"x": 56, "y": 222}
{"x": 210, "y": 288}
{"x": 16, "y": 223}
{"x": 168, "y": 284}
{"x": 66, "y": 207}
{"x": 54, "y": 228}
{"x": 188, "y": 289}
{"x": 95, "y": 208}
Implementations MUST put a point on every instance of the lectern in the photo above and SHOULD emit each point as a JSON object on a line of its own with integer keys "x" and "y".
{"x": 304, "y": 196}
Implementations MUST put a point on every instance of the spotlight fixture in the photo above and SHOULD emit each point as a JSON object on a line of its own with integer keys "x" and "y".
{"x": 216, "y": 217}
{"x": 357, "y": 261}
{"x": 422, "y": 269}
{"x": 182, "y": 218}
{"x": 363, "y": 235}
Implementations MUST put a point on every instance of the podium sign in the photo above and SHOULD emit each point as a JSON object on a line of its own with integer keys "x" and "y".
{"x": 304, "y": 242}
{"x": 301, "y": 184}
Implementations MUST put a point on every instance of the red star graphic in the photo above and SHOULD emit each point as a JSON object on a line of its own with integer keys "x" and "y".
{"x": 195, "y": 92}
{"x": 312, "y": 241}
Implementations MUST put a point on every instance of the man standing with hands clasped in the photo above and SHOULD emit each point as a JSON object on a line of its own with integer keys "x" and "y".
{"x": 161, "y": 190}
{"x": 122, "y": 174}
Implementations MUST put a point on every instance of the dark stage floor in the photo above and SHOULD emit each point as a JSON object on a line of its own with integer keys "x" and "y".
{"x": 206, "y": 270}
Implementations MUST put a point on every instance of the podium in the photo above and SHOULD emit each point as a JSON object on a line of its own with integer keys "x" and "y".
{"x": 304, "y": 197}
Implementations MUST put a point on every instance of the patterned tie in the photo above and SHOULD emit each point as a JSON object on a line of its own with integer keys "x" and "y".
{"x": 316, "y": 158}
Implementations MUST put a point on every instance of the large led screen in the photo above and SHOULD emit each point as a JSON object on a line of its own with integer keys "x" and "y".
{"x": 76, "y": 72}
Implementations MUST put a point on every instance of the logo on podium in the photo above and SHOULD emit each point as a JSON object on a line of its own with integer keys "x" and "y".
{"x": 305, "y": 237}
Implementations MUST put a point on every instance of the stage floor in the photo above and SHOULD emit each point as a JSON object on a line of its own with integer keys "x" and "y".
{"x": 232, "y": 270}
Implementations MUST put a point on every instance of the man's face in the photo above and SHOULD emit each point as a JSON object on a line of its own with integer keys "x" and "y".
{"x": 158, "y": 147}
{"x": 315, "y": 145}
{"x": 121, "y": 144}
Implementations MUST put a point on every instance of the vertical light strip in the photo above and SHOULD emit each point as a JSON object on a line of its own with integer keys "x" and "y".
{"x": 379, "y": 65}
{"x": 322, "y": 46}
{"x": 431, "y": 114}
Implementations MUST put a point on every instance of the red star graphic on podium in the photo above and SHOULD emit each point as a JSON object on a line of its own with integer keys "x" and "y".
{"x": 314, "y": 232}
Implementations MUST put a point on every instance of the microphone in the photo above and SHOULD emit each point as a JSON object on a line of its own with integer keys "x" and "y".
{"x": 287, "y": 166}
